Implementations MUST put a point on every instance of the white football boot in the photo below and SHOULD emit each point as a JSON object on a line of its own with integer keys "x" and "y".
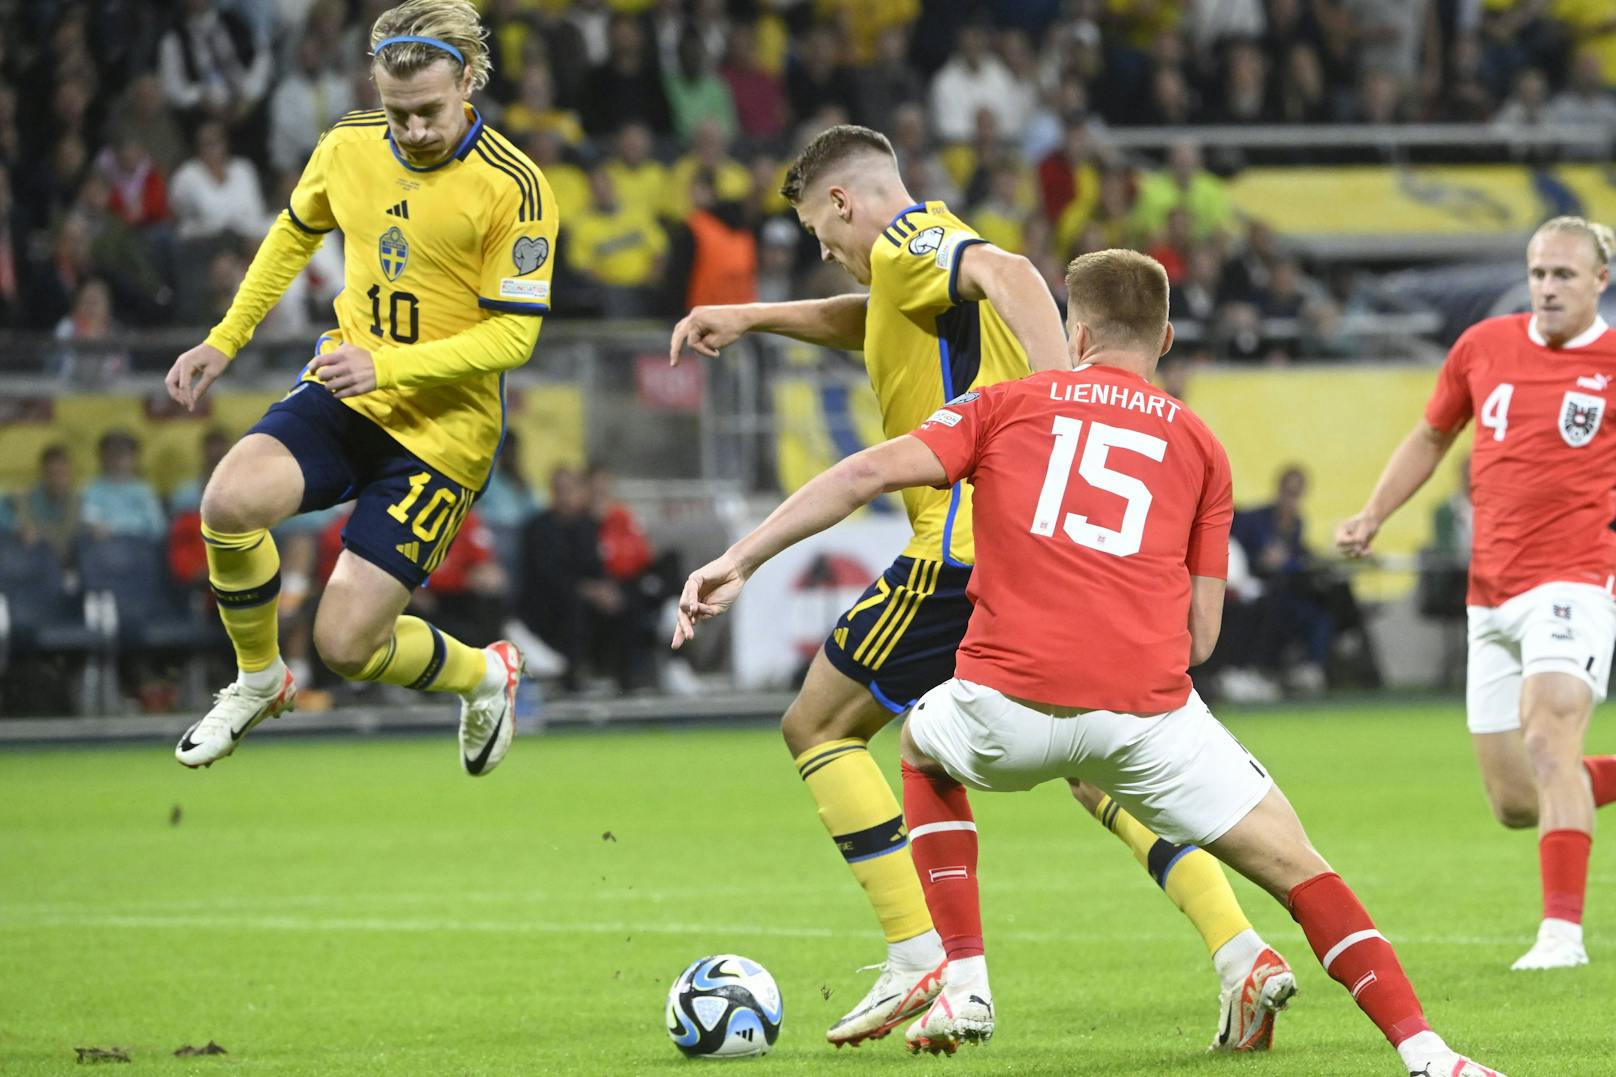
{"x": 236, "y": 709}
{"x": 1558, "y": 946}
{"x": 1246, "y": 1018}
{"x": 488, "y": 716}
{"x": 962, "y": 1013}
{"x": 1449, "y": 1064}
{"x": 898, "y": 995}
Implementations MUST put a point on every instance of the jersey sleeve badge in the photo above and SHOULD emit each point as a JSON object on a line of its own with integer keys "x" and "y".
{"x": 529, "y": 253}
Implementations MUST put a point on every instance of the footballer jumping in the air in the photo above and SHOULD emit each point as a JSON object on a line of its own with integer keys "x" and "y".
{"x": 448, "y": 231}
{"x": 1102, "y": 539}
{"x": 947, "y": 314}
{"x": 1542, "y": 619}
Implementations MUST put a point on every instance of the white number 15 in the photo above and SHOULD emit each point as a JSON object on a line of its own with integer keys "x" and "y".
{"x": 1101, "y": 440}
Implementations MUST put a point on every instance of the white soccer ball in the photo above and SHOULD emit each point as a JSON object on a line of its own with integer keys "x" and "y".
{"x": 724, "y": 1006}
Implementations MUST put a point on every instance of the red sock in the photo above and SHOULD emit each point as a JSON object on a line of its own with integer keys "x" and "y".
{"x": 1563, "y": 856}
{"x": 1602, "y": 776}
{"x": 942, "y": 842}
{"x": 1357, "y": 956}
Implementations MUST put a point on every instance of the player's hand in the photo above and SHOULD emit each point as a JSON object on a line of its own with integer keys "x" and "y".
{"x": 188, "y": 379}
{"x": 346, "y": 371}
{"x": 1354, "y": 536}
{"x": 709, "y": 591}
{"x": 706, "y": 329}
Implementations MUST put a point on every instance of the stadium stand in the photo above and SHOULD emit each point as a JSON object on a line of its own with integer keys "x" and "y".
{"x": 1312, "y": 172}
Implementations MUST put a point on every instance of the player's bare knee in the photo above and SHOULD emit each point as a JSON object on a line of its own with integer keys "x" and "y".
{"x": 344, "y": 653}
{"x": 1514, "y": 813}
{"x": 227, "y": 508}
{"x": 804, "y": 727}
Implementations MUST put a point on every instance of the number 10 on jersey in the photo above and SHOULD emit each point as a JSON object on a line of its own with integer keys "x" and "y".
{"x": 1092, "y": 468}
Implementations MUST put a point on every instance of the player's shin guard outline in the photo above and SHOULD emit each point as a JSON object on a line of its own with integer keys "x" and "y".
{"x": 244, "y": 571}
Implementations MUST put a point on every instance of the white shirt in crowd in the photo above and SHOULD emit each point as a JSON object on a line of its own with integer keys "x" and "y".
{"x": 299, "y": 109}
{"x": 204, "y": 206}
{"x": 958, "y": 93}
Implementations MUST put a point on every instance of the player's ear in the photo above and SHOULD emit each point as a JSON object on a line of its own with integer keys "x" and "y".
{"x": 1167, "y": 341}
{"x": 841, "y": 203}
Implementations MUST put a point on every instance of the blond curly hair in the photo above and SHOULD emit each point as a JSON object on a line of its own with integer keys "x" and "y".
{"x": 453, "y": 21}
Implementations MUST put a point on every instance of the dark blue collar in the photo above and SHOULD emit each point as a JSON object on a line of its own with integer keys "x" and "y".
{"x": 906, "y": 209}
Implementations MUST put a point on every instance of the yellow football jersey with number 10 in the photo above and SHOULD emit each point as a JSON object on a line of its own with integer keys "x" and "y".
{"x": 428, "y": 253}
{"x": 924, "y": 346}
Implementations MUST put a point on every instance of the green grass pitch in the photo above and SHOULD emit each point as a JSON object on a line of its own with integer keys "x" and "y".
{"x": 359, "y": 907}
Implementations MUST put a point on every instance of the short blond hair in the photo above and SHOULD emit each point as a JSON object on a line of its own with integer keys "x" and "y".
{"x": 1121, "y": 295}
{"x": 453, "y": 21}
{"x": 1600, "y": 235}
{"x": 829, "y": 148}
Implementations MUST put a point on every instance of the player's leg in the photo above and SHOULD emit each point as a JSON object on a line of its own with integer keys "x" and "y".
{"x": 259, "y": 483}
{"x": 1493, "y": 716}
{"x": 1194, "y": 881}
{"x": 406, "y": 516}
{"x": 1269, "y": 847}
{"x": 894, "y": 643}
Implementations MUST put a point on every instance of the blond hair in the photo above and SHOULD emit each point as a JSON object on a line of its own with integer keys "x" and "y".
{"x": 831, "y": 147}
{"x": 453, "y": 21}
{"x": 1600, "y": 235}
{"x": 1121, "y": 295}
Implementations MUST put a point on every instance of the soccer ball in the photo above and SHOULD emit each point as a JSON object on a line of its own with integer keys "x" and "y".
{"x": 724, "y": 1007}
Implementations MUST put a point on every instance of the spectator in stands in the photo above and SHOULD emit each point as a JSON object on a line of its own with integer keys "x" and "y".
{"x": 1303, "y": 95}
{"x": 1244, "y": 98}
{"x": 777, "y": 260}
{"x": 90, "y": 323}
{"x": 1466, "y": 96}
{"x": 1173, "y": 102}
{"x": 816, "y": 76}
{"x": 141, "y": 110}
{"x": 1070, "y": 174}
{"x": 759, "y": 93}
{"x": 920, "y": 166}
{"x": 187, "y": 496}
{"x": 1171, "y": 247}
{"x": 1383, "y": 98}
{"x": 1196, "y": 298}
{"x": 672, "y": 18}
{"x": 881, "y": 87}
{"x": 13, "y": 254}
{"x": 507, "y": 502}
{"x": 139, "y": 193}
{"x": 568, "y": 182}
{"x": 646, "y": 580}
{"x": 535, "y": 109}
{"x": 1528, "y": 104}
{"x": 1001, "y": 216}
{"x": 310, "y": 97}
{"x": 1185, "y": 182}
{"x": 1110, "y": 219}
{"x": 695, "y": 92}
{"x": 618, "y": 248}
{"x": 214, "y": 193}
{"x": 627, "y": 87}
{"x": 54, "y": 283}
{"x": 567, "y": 599}
{"x": 1324, "y": 333}
{"x": 1587, "y": 102}
{"x": 973, "y": 79}
{"x": 1286, "y": 294}
{"x": 1212, "y": 22}
{"x": 638, "y": 178}
{"x": 719, "y": 248}
{"x": 53, "y": 183}
{"x": 209, "y": 64}
{"x": 709, "y": 154}
{"x": 118, "y": 502}
{"x": 49, "y": 512}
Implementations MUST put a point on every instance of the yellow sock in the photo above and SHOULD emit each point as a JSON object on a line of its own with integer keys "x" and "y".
{"x": 857, "y": 807}
{"x": 1191, "y": 877}
{"x": 421, "y": 657}
{"x": 244, "y": 571}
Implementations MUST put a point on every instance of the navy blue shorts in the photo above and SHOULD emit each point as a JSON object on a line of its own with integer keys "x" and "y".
{"x": 406, "y": 512}
{"x": 899, "y": 638}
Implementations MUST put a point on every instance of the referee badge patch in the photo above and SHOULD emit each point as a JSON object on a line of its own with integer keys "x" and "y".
{"x": 530, "y": 253}
{"x": 394, "y": 252}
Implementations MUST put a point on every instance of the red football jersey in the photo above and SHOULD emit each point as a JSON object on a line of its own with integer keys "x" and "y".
{"x": 1097, "y": 497}
{"x": 1543, "y": 473}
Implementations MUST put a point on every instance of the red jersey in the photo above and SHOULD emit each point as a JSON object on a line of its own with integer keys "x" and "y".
{"x": 1097, "y": 497}
{"x": 1542, "y": 473}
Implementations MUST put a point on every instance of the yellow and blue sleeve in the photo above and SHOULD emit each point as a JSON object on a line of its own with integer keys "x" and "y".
{"x": 519, "y": 248}
{"x": 915, "y": 263}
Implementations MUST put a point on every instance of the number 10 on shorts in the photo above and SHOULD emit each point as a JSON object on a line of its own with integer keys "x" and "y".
{"x": 1092, "y": 468}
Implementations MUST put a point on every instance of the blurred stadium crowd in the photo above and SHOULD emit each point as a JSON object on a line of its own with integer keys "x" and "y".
{"x": 146, "y": 145}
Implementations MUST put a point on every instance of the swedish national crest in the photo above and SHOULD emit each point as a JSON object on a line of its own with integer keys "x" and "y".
{"x": 1580, "y": 416}
{"x": 393, "y": 250}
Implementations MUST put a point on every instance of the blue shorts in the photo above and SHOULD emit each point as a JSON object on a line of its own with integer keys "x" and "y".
{"x": 406, "y": 512}
{"x": 899, "y": 638}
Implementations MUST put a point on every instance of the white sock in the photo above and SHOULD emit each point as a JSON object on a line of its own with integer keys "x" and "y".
{"x": 922, "y": 953}
{"x": 1420, "y": 1049}
{"x": 1235, "y": 957}
{"x": 1561, "y": 929}
{"x": 969, "y": 971}
{"x": 264, "y": 680}
{"x": 493, "y": 676}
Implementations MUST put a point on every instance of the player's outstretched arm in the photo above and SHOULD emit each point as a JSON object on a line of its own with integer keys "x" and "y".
{"x": 1410, "y": 466}
{"x": 827, "y": 499}
{"x": 837, "y": 322}
{"x": 1017, "y": 291}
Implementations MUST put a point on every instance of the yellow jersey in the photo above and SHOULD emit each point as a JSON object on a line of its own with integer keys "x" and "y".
{"x": 924, "y": 346}
{"x": 430, "y": 253}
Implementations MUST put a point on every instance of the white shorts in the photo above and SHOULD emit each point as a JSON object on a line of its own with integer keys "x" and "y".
{"x": 1553, "y": 628}
{"x": 1182, "y": 774}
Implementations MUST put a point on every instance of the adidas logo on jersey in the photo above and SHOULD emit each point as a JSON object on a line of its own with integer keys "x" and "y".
{"x": 412, "y": 550}
{"x": 400, "y": 210}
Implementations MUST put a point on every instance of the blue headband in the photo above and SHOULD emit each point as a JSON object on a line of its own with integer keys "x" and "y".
{"x": 434, "y": 42}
